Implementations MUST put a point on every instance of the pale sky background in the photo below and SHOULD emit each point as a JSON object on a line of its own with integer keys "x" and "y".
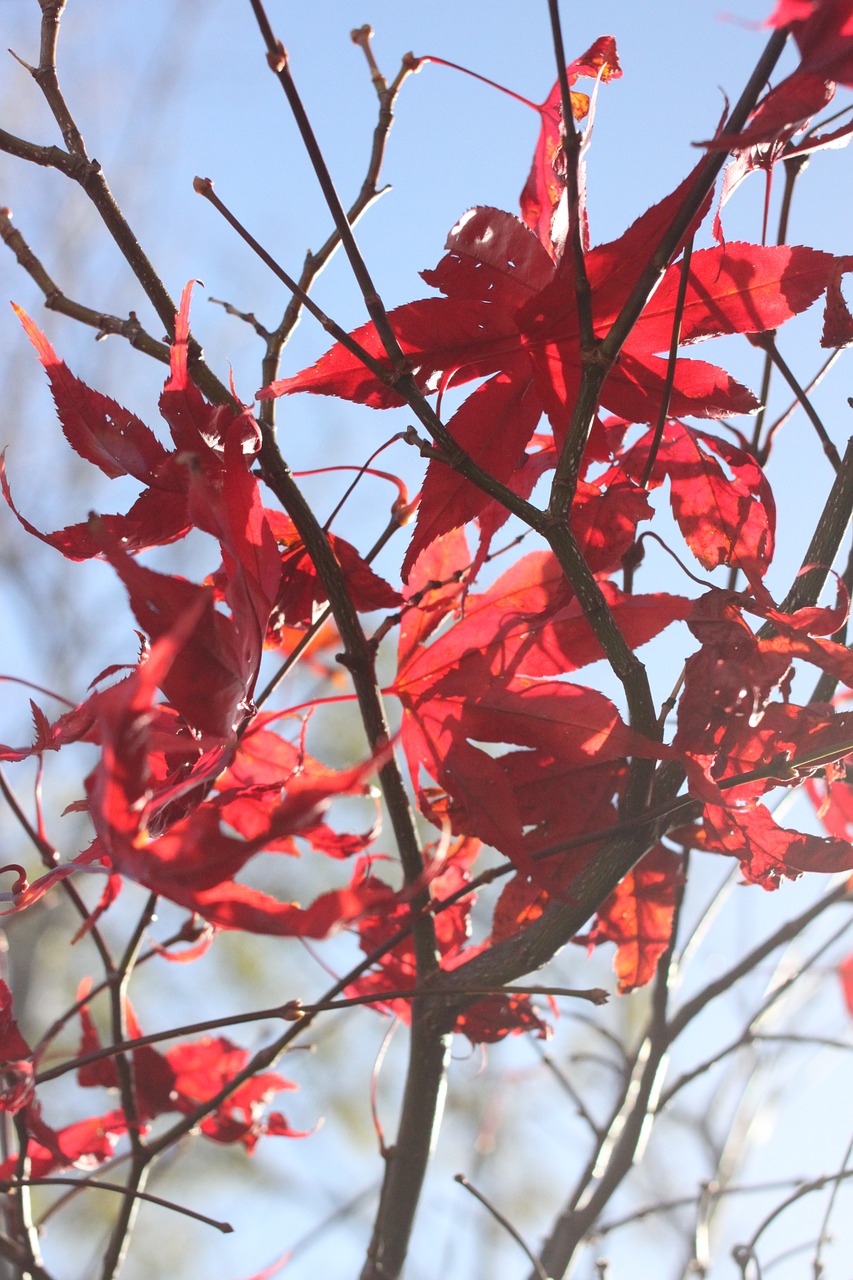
{"x": 164, "y": 91}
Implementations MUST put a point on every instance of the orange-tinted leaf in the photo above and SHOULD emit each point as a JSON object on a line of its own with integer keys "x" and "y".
{"x": 845, "y": 973}
{"x": 638, "y": 917}
{"x": 543, "y": 188}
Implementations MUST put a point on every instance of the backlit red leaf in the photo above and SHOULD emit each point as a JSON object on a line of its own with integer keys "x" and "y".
{"x": 720, "y": 497}
{"x": 638, "y": 917}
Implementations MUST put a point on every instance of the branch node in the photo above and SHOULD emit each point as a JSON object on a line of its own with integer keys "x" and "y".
{"x": 277, "y": 58}
{"x": 597, "y": 356}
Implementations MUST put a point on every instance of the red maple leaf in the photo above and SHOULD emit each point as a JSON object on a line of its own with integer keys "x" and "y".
{"x": 768, "y": 852}
{"x": 86, "y": 1144}
{"x": 186, "y": 1075}
{"x": 120, "y": 444}
{"x": 509, "y": 314}
{"x": 487, "y": 680}
{"x": 300, "y": 588}
{"x": 205, "y": 482}
{"x": 720, "y": 497}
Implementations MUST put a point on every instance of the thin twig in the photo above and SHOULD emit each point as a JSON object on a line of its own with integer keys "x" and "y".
{"x": 747, "y": 1251}
{"x": 55, "y": 300}
{"x": 790, "y": 929}
{"x": 767, "y": 342}
{"x": 204, "y": 187}
{"x": 55, "y": 1180}
{"x": 503, "y": 1221}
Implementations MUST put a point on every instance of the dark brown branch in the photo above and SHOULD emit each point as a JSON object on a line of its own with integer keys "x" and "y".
{"x": 669, "y": 380}
{"x": 703, "y": 184}
{"x": 120, "y": 1236}
{"x": 278, "y": 62}
{"x": 764, "y": 453}
{"x": 399, "y": 376}
{"x": 367, "y": 196}
{"x": 793, "y": 169}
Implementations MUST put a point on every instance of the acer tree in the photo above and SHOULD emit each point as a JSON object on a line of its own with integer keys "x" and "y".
{"x": 386, "y": 770}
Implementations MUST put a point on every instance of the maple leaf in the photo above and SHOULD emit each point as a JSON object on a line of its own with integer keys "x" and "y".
{"x": 203, "y": 1067}
{"x": 832, "y": 797}
{"x": 783, "y": 112}
{"x": 473, "y": 685}
{"x": 397, "y": 971}
{"x": 120, "y": 444}
{"x": 153, "y": 825}
{"x": 509, "y": 314}
{"x": 729, "y": 724}
{"x": 726, "y": 704}
{"x": 485, "y": 681}
{"x": 529, "y": 622}
{"x": 300, "y": 589}
{"x": 12, "y": 1043}
{"x": 825, "y": 35}
{"x": 540, "y": 786}
{"x": 206, "y": 482}
{"x": 186, "y": 1075}
{"x": 194, "y": 861}
{"x": 86, "y": 1144}
{"x": 17, "y": 1083}
{"x": 638, "y": 917}
{"x": 264, "y": 766}
{"x": 720, "y": 497}
{"x": 767, "y": 852}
